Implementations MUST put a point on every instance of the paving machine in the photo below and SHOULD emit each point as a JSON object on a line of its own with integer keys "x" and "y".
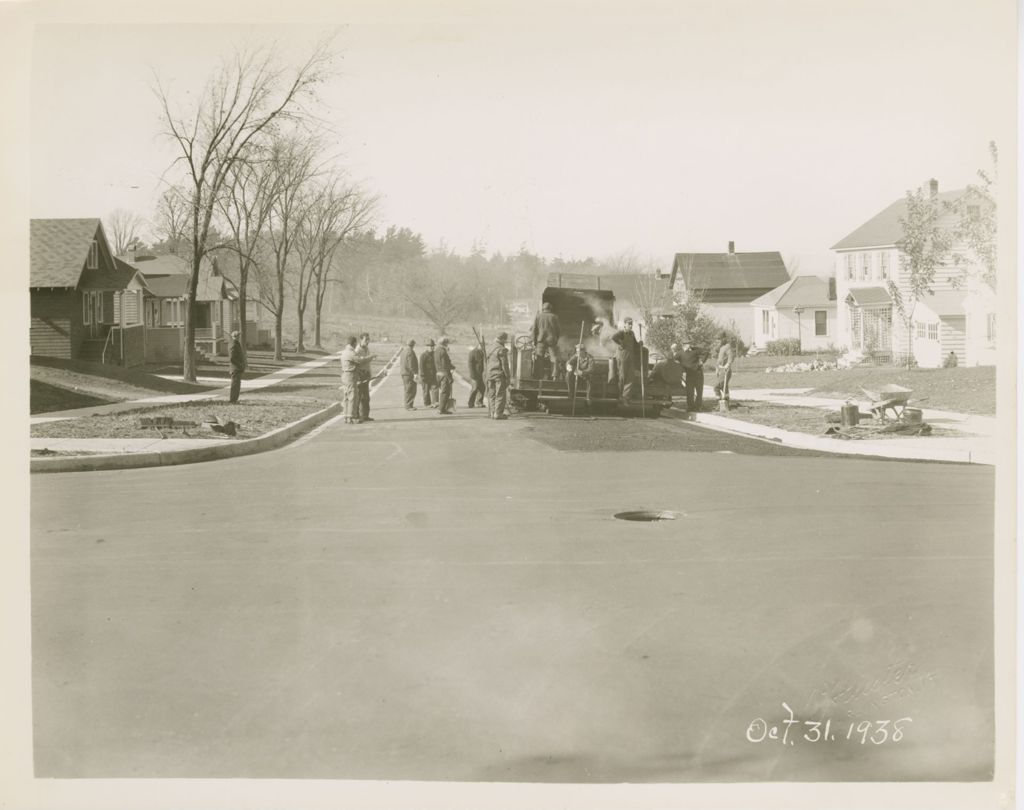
{"x": 579, "y": 301}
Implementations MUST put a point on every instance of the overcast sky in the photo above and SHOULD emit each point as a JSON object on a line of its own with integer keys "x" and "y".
{"x": 580, "y": 130}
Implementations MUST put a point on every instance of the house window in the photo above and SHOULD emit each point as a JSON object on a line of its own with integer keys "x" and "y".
{"x": 973, "y": 211}
{"x": 849, "y": 266}
{"x": 172, "y": 312}
{"x": 865, "y": 266}
{"x": 764, "y": 321}
{"x": 933, "y": 331}
{"x": 820, "y": 322}
{"x": 86, "y": 309}
{"x": 883, "y": 265}
{"x": 990, "y": 327}
{"x": 93, "y": 262}
{"x": 919, "y": 330}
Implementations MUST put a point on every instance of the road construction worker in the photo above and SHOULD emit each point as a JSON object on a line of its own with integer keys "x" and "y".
{"x": 726, "y": 357}
{"x": 349, "y": 368}
{"x": 546, "y": 333}
{"x": 668, "y": 371}
{"x": 578, "y": 372}
{"x": 476, "y": 376}
{"x": 689, "y": 359}
{"x": 428, "y": 375}
{"x": 363, "y": 376}
{"x": 410, "y": 366}
{"x": 628, "y": 357}
{"x": 443, "y": 368}
{"x": 498, "y": 377}
{"x": 237, "y": 358}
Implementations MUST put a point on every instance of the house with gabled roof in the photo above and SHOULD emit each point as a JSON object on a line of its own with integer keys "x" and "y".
{"x": 85, "y": 304}
{"x": 958, "y": 317}
{"x": 728, "y": 283}
{"x": 802, "y": 309}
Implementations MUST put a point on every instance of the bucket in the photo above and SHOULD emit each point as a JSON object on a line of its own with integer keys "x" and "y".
{"x": 913, "y": 416}
{"x": 849, "y": 415}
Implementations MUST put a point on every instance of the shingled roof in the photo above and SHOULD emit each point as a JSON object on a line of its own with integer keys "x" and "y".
{"x": 729, "y": 271}
{"x": 884, "y": 229}
{"x": 801, "y": 291}
{"x": 58, "y": 249}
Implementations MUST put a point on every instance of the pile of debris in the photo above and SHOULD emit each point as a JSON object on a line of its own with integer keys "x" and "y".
{"x": 813, "y": 365}
{"x": 168, "y": 423}
{"x": 850, "y": 423}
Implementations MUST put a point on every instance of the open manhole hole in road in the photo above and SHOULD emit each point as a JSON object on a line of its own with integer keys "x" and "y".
{"x": 647, "y": 515}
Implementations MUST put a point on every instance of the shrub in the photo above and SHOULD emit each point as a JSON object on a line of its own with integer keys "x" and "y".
{"x": 785, "y": 347}
{"x": 690, "y": 319}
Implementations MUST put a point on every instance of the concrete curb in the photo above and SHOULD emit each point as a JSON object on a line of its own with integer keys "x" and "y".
{"x": 124, "y": 461}
{"x": 899, "y": 449}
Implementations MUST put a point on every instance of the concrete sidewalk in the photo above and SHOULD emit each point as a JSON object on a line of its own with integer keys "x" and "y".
{"x": 977, "y": 447}
{"x": 171, "y": 399}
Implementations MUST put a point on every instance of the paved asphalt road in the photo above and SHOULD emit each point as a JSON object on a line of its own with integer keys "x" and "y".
{"x": 430, "y": 597}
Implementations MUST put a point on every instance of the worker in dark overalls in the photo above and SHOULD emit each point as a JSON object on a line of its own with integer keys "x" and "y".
{"x": 628, "y": 360}
{"x": 428, "y": 375}
{"x": 578, "y": 370}
{"x": 443, "y": 367}
{"x": 690, "y": 360}
{"x": 476, "y": 376}
{"x": 498, "y": 376}
{"x": 546, "y": 333}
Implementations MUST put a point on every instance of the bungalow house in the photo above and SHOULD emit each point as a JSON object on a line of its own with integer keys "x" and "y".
{"x": 164, "y": 307}
{"x": 803, "y": 309}
{"x": 85, "y": 305}
{"x": 728, "y": 283}
{"x": 958, "y": 316}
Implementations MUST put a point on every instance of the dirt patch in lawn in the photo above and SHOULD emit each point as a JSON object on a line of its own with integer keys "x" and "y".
{"x": 813, "y": 420}
{"x": 254, "y": 415}
{"x": 961, "y": 389}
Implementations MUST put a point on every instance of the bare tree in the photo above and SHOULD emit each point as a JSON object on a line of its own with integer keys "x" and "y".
{"x": 338, "y": 210}
{"x": 436, "y": 287}
{"x": 292, "y": 160}
{"x": 123, "y": 228}
{"x": 172, "y": 217}
{"x": 242, "y": 102}
{"x": 245, "y": 208}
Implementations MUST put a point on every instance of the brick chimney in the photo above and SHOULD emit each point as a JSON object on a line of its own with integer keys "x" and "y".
{"x": 933, "y": 187}
{"x": 129, "y": 254}
{"x": 832, "y": 288}
{"x": 732, "y": 247}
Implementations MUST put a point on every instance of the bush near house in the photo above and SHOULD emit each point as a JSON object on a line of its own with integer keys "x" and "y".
{"x": 785, "y": 347}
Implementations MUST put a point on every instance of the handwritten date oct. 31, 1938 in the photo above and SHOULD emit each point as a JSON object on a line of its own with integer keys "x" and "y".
{"x": 790, "y": 730}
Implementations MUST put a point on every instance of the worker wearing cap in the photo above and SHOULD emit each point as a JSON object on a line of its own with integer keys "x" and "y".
{"x": 689, "y": 359}
{"x": 410, "y": 373}
{"x": 476, "y": 376}
{"x": 237, "y": 357}
{"x": 498, "y": 376}
{"x": 546, "y": 332}
{"x": 363, "y": 377}
{"x": 628, "y": 360}
{"x": 578, "y": 370}
{"x": 443, "y": 370}
{"x": 726, "y": 358}
{"x": 428, "y": 375}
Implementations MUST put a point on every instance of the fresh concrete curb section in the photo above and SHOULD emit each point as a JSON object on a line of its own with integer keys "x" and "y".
{"x": 909, "y": 449}
{"x": 123, "y": 461}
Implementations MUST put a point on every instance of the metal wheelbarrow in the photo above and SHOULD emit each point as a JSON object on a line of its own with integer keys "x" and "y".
{"x": 893, "y": 398}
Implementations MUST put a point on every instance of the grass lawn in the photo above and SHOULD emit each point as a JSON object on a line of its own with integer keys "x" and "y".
{"x": 963, "y": 389}
{"x": 46, "y": 398}
{"x": 255, "y": 415}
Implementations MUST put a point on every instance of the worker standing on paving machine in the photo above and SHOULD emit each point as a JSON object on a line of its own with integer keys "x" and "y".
{"x": 410, "y": 373}
{"x": 428, "y": 375}
{"x": 628, "y": 360}
{"x": 546, "y": 333}
{"x": 476, "y": 376}
{"x": 443, "y": 367}
{"x": 498, "y": 376}
{"x": 363, "y": 360}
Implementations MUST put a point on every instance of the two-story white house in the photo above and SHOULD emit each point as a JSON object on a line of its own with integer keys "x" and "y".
{"x": 958, "y": 317}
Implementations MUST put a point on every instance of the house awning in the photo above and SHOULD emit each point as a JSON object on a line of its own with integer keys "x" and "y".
{"x": 945, "y": 304}
{"x": 868, "y": 296}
